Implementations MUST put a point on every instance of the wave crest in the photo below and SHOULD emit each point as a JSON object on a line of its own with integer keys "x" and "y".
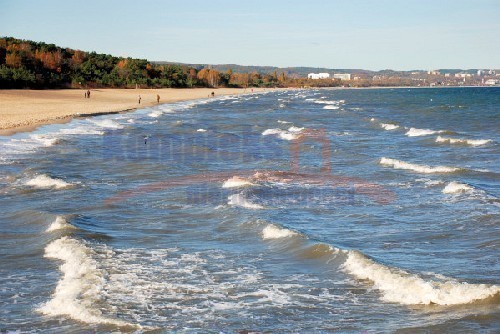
{"x": 275, "y": 232}
{"x": 471, "y": 142}
{"x": 457, "y": 188}
{"x": 81, "y": 286}
{"x": 414, "y": 132}
{"x": 398, "y": 164}
{"x": 59, "y": 223}
{"x": 46, "y": 182}
{"x": 240, "y": 201}
{"x": 398, "y": 286}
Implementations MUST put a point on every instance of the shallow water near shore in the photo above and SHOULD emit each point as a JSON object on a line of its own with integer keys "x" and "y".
{"x": 293, "y": 211}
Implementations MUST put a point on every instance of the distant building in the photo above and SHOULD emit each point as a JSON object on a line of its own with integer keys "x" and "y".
{"x": 480, "y": 72}
{"x": 492, "y": 82}
{"x": 316, "y": 76}
{"x": 447, "y": 74}
{"x": 342, "y": 76}
{"x": 433, "y": 72}
{"x": 463, "y": 75}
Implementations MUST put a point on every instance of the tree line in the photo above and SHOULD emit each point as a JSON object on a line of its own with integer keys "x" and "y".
{"x": 38, "y": 65}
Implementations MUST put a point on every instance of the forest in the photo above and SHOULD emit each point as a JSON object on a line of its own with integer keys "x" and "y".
{"x": 38, "y": 65}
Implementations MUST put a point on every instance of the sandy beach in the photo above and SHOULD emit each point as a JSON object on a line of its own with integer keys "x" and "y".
{"x": 24, "y": 110}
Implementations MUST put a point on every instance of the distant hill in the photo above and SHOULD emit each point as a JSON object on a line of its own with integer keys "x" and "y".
{"x": 303, "y": 71}
{"x": 299, "y": 72}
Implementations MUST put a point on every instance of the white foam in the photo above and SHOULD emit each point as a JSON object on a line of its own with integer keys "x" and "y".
{"x": 414, "y": 132}
{"x": 472, "y": 142}
{"x": 284, "y": 122}
{"x": 45, "y": 182}
{"x": 155, "y": 113}
{"x": 201, "y": 130}
{"x": 81, "y": 131}
{"x": 389, "y": 127}
{"x": 45, "y": 140}
{"x": 397, "y": 164}
{"x": 236, "y": 182}
{"x": 331, "y": 107}
{"x": 372, "y": 119}
{"x": 295, "y": 129}
{"x": 329, "y": 102}
{"x": 399, "y": 286}
{"x": 80, "y": 289}
{"x": 241, "y": 201}
{"x": 59, "y": 223}
{"x": 457, "y": 188}
{"x": 107, "y": 124}
{"x": 275, "y": 232}
{"x": 283, "y": 134}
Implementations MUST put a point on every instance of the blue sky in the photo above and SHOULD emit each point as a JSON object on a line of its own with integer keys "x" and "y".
{"x": 377, "y": 34}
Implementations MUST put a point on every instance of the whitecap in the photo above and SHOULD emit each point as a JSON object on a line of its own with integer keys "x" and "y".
{"x": 295, "y": 129}
{"x": 398, "y": 164}
{"x": 283, "y": 134}
{"x": 236, "y": 182}
{"x": 108, "y": 124}
{"x": 414, "y": 132}
{"x": 389, "y": 127}
{"x": 275, "y": 232}
{"x": 399, "y": 286}
{"x": 59, "y": 223}
{"x": 472, "y": 142}
{"x": 46, "y": 182}
{"x": 331, "y": 107}
{"x": 457, "y": 188}
{"x": 201, "y": 130}
{"x": 81, "y": 287}
{"x": 241, "y": 201}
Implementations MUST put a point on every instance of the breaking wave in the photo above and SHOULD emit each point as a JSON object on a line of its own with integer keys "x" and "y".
{"x": 81, "y": 287}
{"x": 289, "y": 134}
{"x": 240, "y": 201}
{"x": 414, "y": 132}
{"x": 394, "y": 284}
{"x": 236, "y": 182}
{"x": 107, "y": 124}
{"x": 389, "y": 127}
{"x": 59, "y": 223}
{"x": 46, "y": 182}
{"x": 471, "y": 142}
{"x": 399, "y": 286}
{"x": 275, "y": 232}
{"x": 457, "y": 188}
{"x": 398, "y": 164}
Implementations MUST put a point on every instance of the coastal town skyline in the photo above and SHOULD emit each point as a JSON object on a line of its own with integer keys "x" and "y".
{"x": 410, "y": 35}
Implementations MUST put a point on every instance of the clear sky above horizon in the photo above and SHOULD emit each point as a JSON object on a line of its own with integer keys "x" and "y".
{"x": 381, "y": 34}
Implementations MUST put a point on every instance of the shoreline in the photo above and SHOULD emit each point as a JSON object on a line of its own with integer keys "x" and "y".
{"x": 59, "y": 106}
{"x": 63, "y": 105}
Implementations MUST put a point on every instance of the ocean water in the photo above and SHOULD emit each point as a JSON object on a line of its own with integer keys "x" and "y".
{"x": 300, "y": 211}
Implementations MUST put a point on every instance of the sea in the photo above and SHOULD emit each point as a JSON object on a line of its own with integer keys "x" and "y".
{"x": 283, "y": 211}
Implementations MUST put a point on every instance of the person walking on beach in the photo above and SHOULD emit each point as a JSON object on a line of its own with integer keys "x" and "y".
{"x": 157, "y": 98}
{"x": 213, "y": 94}
{"x": 88, "y": 94}
{"x": 139, "y": 99}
